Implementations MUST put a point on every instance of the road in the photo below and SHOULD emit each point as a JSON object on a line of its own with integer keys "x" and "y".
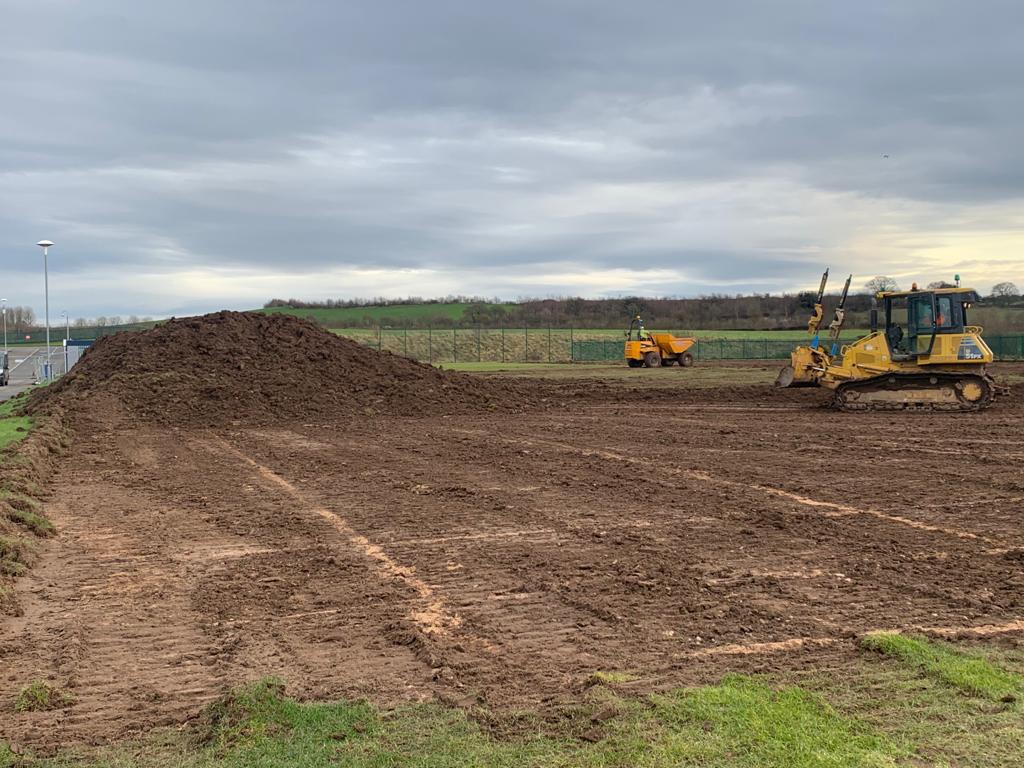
{"x": 25, "y": 362}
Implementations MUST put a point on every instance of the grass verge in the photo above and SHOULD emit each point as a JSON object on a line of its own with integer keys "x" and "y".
{"x": 970, "y": 673}
{"x": 28, "y": 450}
{"x": 741, "y": 722}
{"x": 13, "y": 428}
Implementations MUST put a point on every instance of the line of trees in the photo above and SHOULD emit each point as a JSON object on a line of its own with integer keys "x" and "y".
{"x": 713, "y": 312}
{"x": 23, "y": 320}
{"x": 377, "y": 302}
{"x": 19, "y": 319}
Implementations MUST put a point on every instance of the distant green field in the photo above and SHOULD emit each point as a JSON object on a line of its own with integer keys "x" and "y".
{"x": 343, "y": 320}
{"x": 340, "y": 317}
{"x": 543, "y": 345}
{"x": 598, "y": 334}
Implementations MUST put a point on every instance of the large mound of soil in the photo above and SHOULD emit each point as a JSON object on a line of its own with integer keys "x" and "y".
{"x": 249, "y": 367}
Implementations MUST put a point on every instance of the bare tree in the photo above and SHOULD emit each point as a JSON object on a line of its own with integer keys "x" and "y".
{"x": 1005, "y": 290}
{"x": 21, "y": 319}
{"x": 940, "y": 284}
{"x": 881, "y": 283}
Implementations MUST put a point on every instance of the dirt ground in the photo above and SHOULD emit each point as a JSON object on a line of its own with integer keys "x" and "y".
{"x": 501, "y": 558}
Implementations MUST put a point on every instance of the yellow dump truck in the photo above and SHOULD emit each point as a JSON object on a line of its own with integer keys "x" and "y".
{"x": 653, "y": 350}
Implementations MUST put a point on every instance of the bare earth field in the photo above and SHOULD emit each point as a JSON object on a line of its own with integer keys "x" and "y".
{"x": 675, "y": 533}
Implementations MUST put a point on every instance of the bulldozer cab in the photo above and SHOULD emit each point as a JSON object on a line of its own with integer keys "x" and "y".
{"x": 915, "y": 319}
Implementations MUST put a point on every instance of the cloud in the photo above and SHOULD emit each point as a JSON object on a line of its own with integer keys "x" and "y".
{"x": 194, "y": 155}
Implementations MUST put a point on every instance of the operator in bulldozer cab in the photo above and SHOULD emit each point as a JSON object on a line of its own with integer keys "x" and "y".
{"x": 923, "y": 354}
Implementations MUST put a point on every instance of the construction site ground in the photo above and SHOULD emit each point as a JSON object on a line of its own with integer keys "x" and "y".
{"x": 643, "y": 525}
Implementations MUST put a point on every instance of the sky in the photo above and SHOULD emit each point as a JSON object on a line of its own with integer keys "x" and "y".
{"x": 202, "y": 154}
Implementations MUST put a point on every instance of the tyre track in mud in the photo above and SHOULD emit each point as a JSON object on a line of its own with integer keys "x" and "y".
{"x": 165, "y": 588}
{"x": 573, "y": 565}
{"x": 552, "y": 544}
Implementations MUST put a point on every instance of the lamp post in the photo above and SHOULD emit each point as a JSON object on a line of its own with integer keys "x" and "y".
{"x": 3, "y": 302}
{"x": 45, "y": 245}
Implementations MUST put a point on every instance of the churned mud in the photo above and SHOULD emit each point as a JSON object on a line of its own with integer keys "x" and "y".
{"x": 500, "y": 555}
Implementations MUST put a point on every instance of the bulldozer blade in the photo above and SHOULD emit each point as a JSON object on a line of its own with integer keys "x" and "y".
{"x": 787, "y": 378}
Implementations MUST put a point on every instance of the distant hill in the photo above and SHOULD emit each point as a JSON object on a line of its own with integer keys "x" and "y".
{"x": 719, "y": 314}
{"x": 394, "y": 314}
{"x": 714, "y": 312}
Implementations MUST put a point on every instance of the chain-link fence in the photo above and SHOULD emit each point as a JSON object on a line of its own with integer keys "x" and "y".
{"x": 58, "y": 331}
{"x": 705, "y": 349}
{"x": 561, "y": 345}
{"x": 557, "y": 345}
{"x": 1006, "y": 347}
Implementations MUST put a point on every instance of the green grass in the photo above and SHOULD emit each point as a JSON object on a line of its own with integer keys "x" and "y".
{"x": 541, "y": 345}
{"x": 701, "y": 375}
{"x": 869, "y": 712}
{"x": 13, "y": 552}
{"x": 498, "y": 367}
{"x": 970, "y": 673}
{"x": 13, "y": 429}
{"x": 613, "y": 677}
{"x": 946, "y": 727}
{"x": 340, "y": 317}
{"x": 741, "y": 722}
{"x": 35, "y": 522}
{"x": 13, "y": 426}
{"x": 8, "y": 407}
{"x": 346, "y": 320}
{"x": 41, "y": 696}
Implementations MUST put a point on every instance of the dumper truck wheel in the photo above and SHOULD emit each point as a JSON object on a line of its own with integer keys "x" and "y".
{"x": 686, "y": 360}
{"x": 634, "y": 363}
{"x": 652, "y": 360}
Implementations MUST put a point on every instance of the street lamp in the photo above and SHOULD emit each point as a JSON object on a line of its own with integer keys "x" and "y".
{"x": 45, "y": 245}
{"x": 3, "y": 302}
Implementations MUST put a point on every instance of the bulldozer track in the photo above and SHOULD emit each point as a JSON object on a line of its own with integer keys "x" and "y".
{"x": 857, "y": 395}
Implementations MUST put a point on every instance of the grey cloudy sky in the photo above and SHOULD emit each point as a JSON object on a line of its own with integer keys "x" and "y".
{"x": 191, "y": 155}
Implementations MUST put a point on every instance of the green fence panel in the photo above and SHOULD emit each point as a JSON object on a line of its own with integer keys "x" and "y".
{"x": 1006, "y": 347}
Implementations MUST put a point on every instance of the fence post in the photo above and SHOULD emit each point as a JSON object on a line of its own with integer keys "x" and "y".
{"x": 572, "y": 349}
{"x": 549, "y": 343}
{"x": 455, "y": 347}
{"x": 379, "y": 339}
{"x": 405, "y": 341}
{"x": 479, "y": 358}
{"x": 526, "y": 343}
{"x": 503, "y": 343}
{"x": 430, "y": 344}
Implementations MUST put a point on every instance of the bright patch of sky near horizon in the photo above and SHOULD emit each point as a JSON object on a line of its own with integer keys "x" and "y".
{"x": 190, "y": 156}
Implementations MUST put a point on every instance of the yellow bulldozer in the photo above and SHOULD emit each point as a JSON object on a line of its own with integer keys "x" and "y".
{"x": 925, "y": 357}
{"x": 653, "y": 350}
